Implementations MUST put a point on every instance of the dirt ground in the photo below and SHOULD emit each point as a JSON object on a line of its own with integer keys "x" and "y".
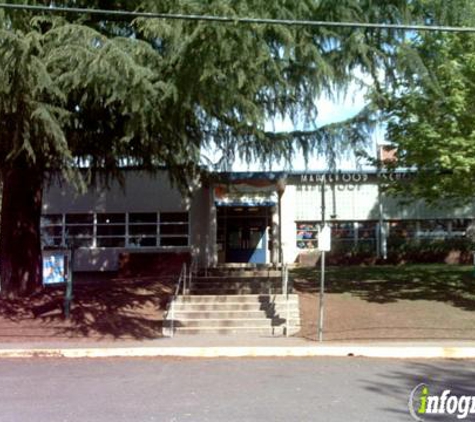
{"x": 109, "y": 309}
{"x": 347, "y": 318}
{"x": 426, "y": 303}
{"x": 433, "y": 302}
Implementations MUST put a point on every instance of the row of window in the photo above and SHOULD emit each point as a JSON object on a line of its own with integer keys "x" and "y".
{"x": 366, "y": 231}
{"x": 115, "y": 229}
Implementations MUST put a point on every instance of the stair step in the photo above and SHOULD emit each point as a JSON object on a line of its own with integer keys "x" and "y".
{"x": 227, "y": 314}
{"x": 243, "y": 282}
{"x": 240, "y": 270}
{"x": 268, "y": 331}
{"x": 237, "y": 278}
{"x": 234, "y": 283}
{"x": 226, "y": 271}
{"x": 256, "y": 314}
{"x": 230, "y": 306}
{"x": 248, "y": 298}
{"x": 234, "y": 292}
{"x": 233, "y": 323}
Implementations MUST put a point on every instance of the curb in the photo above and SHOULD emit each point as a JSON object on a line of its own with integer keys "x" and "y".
{"x": 422, "y": 352}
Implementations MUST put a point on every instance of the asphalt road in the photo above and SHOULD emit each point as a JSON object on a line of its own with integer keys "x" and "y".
{"x": 175, "y": 390}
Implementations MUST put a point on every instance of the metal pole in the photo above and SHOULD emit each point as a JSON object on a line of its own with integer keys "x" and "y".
{"x": 286, "y": 280}
{"x": 281, "y": 254}
{"x": 190, "y": 271}
{"x": 322, "y": 270}
{"x": 184, "y": 275}
{"x": 172, "y": 321}
{"x": 382, "y": 248}
{"x": 69, "y": 286}
{"x": 322, "y": 303}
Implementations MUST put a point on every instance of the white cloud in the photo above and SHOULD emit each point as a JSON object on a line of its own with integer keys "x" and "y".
{"x": 329, "y": 111}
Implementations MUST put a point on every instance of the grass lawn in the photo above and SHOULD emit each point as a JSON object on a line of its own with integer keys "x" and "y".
{"x": 425, "y": 302}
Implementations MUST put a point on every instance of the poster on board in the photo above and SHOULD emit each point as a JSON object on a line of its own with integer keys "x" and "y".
{"x": 55, "y": 267}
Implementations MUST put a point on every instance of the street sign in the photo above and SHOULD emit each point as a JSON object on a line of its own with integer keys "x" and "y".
{"x": 324, "y": 239}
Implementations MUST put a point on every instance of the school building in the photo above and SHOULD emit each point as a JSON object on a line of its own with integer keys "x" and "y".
{"x": 240, "y": 217}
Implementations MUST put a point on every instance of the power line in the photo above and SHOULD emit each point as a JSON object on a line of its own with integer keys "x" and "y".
{"x": 234, "y": 20}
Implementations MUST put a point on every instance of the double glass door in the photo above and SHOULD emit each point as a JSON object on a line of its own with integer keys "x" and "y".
{"x": 246, "y": 241}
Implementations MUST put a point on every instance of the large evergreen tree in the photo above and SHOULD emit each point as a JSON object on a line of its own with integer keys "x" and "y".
{"x": 99, "y": 91}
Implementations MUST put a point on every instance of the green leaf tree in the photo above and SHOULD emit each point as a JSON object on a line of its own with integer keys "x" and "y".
{"x": 429, "y": 109}
{"x": 84, "y": 94}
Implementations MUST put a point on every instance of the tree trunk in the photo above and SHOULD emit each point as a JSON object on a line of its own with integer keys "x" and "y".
{"x": 20, "y": 240}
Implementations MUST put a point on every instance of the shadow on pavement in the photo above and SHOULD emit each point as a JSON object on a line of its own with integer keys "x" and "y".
{"x": 455, "y": 375}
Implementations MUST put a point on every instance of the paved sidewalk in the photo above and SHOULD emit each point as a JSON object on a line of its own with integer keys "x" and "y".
{"x": 202, "y": 346}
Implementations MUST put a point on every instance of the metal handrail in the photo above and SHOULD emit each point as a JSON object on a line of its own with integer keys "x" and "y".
{"x": 183, "y": 276}
{"x": 192, "y": 272}
{"x": 286, "y": 292}
{"x": 171, "y": 305}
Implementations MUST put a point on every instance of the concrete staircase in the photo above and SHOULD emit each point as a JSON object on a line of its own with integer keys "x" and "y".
{"x": 237, "y": 281}
{"x": 230, "y": 302}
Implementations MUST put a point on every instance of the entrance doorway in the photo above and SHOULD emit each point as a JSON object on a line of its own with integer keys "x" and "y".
{"x": 243, "y": 234}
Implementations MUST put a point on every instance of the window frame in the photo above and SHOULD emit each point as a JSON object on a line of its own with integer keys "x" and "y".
{"x": 105, "y": 237}
{"x": 184, "y": 236}
{"x": 312, "y": 242}
{"x": 96, "y": 223}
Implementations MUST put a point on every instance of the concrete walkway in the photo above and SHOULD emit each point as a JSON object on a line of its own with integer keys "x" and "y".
{"x": 210, "y": 346}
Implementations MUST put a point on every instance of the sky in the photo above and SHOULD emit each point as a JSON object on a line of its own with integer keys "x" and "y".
{"x": 329, "y": 111}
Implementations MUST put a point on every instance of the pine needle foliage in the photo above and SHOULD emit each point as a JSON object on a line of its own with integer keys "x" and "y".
{"x": 84, "y": 95}
{"x": 155, "y": 92}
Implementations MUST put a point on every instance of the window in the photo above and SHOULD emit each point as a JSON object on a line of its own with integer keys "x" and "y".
{"x": 346, "y": 233}
{"x": 143, "y": 229}
{"x": 367, "y": 230}
{"x": 307, "y": 234}
{"x": 79, "y": 229}
{"x": 433, "y": 229}
{"x": 344, "y": 230}
{"x": 366, "y": 233}
{"x": 115, "y": 230}
{"x": 52, "y": 230}
{"x": 459, "y": 227}
{"x": 110, "y": 230}
{"x": 402, "y": 229}
{"x": 174, "y": 229}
